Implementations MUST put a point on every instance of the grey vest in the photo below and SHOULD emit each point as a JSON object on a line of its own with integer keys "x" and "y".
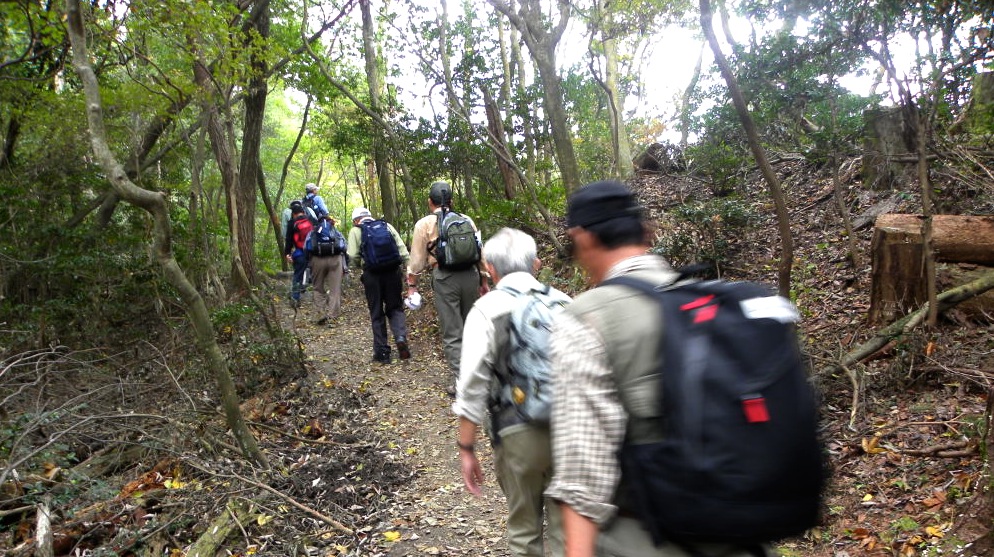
{"x": 631, "y": 328}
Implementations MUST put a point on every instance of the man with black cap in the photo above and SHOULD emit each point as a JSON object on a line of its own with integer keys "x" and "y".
{"x": 602, "y": 344}
{"x": 455, "y": 290}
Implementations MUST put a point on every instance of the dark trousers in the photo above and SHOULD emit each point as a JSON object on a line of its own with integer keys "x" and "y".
{"x": 300, "y": 261}
{"x": 383, "y": 296}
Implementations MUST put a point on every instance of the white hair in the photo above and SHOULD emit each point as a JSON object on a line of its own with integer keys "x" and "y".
{"x": 511, "y": 251}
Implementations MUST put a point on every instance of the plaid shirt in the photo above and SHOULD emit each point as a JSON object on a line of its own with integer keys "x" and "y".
{"x": 588, "y": 420}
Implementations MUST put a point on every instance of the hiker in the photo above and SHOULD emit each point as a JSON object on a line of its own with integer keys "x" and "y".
{"x": 608, "y": 335}
{"x": 313, "y": 204}
{"x": 456, "y": 284}
{"x": 293, "y": 248}
{"x": 327, "y": 252}
{"x": 381, "y": 251}
{"x": 521, "y": 446}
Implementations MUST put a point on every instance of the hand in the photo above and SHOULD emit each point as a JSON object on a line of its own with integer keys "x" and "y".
{"x": 289, "y": 257}
{"x": 472, "y": 472}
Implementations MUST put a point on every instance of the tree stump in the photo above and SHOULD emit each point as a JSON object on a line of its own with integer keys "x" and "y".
{"x": 887, "y": 145}
{"x": 964, "y": 243}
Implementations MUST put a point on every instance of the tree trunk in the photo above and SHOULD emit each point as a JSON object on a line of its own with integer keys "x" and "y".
{"x": 496, "y": 128}
{"x": 250, "y": 165}
{"x": 9, "y": 141}
{"x": 899, "y": 274}
{"x": 621, "y": 147}
{"x": 685, "y": 105}
{"x": 375, "y": 82}
{"x": 155, "y": 204}
{"x": 783, "y": 219}
{"x": 541, "y": 43}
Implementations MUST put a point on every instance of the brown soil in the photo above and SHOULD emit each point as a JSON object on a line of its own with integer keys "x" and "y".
{"x": 426, "y": 511}
{"x": 371, "y": 447}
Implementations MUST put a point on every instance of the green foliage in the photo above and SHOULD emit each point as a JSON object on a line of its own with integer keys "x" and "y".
{"x": 722, "y": 164}
{"x": 587, "y": 105}
{"x": 701, "y": 231}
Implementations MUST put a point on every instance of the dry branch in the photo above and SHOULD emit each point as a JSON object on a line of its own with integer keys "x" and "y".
{"x": 236, "y": 513}
{"x": 945, "y": 300}
{"x": 947, "y": 450}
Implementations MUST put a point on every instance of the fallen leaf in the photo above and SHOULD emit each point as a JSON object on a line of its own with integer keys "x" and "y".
{"x": 391, "y": 536}
{"x": 870, "y": 445}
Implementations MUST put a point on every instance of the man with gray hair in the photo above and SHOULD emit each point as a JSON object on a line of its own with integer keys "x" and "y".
{"x": 521, "y": 444}
{"x": 314, "y": 203}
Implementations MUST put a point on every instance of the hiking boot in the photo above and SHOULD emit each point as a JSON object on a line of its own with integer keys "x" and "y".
{"x": 403, "y": 349}
{"x": 321, "y": 321}
{"x": 382, "y": 357}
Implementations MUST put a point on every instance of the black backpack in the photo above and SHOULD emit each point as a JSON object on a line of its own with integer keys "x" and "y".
{"x": 457, "y": 247}
{"x": 740, "y": 460}
{"x": 325, "y": 239}
{"x": 378, "y": 248}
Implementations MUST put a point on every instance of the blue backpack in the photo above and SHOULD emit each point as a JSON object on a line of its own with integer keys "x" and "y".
{"x": 325, "y": 239}
{"x": 378, "y": 248}
{"x": 311, "y": 209}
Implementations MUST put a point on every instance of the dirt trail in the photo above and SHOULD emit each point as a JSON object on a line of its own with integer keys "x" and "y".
{"x": 409, "y": 408}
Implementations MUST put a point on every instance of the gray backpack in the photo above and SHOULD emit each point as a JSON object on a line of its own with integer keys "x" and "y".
{"x": 457, "y": 247}
{"x": 526, "y": 386}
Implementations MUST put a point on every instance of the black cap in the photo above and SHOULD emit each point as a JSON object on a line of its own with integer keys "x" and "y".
{"x": 296, "y": 206}
{"x": 441, "y": 193}
{"x": 599, "y": 202}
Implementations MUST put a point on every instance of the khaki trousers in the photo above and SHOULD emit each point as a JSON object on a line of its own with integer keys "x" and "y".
{"x": 625, "y": 537}
{"x": 524, "y": 467}
{"x": 326, "y": 272}
{"x": 455, "y": 292}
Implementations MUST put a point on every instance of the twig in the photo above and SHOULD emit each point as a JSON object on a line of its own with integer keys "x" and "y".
{"x": 8, "y": 512}
{"x": 327, "y": 519}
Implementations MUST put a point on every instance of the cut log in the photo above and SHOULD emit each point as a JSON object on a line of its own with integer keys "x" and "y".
{"x": 898, "y": 279}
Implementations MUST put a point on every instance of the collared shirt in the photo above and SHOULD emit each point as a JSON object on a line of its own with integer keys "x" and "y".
{"x": 588, "y": 420}
{"x": 426, "y": 232}
{"x": 355, "y": 241}
{"x": 318, "y": 203}
{"x": 479, "y": 350}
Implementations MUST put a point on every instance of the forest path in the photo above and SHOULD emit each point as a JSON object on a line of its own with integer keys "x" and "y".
{"x": 410, "y": 410}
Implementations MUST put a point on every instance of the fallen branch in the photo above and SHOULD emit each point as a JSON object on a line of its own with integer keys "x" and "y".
{"x": 7, "y": 512}
{"x": 235, "y": 513}
{"x": 946, "y": 300}
{"x": 44, "y": 536}
{"x": 947, "y": 450}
